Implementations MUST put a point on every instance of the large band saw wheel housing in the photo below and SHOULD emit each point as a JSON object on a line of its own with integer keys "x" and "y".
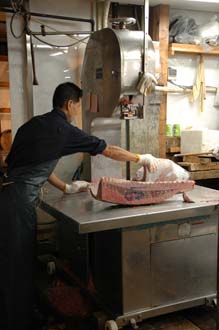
{"x": 113, "y": 62}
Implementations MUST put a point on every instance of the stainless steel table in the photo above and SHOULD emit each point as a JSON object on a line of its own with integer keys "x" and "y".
{"x": 89, "y": 215}
{"x": 146, "y": 260}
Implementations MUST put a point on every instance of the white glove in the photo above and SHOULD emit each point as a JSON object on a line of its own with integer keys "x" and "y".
{"x": 146, "y": 83}
{"x": 148, "y": 160}
{"x": 215, "y": 151}
{"x": 76, "y": 186}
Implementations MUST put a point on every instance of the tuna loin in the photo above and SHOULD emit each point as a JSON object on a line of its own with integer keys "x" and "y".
{"x": 119, "y": 191}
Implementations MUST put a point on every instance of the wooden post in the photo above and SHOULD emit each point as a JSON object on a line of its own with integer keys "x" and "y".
{"x": 159, "y": 31}
{"x": 2, "y": 16}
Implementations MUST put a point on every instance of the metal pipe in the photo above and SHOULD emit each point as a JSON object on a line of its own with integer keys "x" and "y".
{"x": 35, "y": 81}
{"x": 145, "y": 48}
{"x": 29, "y": 77}
{"x": 60, "y": 33}
{"x": 66, "y": 18}
{"x": 166, "y": 89}
{"x": 99, "y": 14}
{"x": 94, "y": 13}
{"x": 146, "y": 18}
{"x": 106, "y": 13}
{"x": 127, "y": 135}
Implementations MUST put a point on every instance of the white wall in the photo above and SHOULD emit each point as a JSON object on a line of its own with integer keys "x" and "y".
{"x": 50, "y": 70}
{"x": 179, "y": 109}
{"x": 17, "y": 75}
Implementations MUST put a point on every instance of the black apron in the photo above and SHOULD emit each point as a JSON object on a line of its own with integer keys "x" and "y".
{"x": 18, "y": 198}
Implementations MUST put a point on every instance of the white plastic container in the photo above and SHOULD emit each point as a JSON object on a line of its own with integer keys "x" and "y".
{"x": 195, "y": 141}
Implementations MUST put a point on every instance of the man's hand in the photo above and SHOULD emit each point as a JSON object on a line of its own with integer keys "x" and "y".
{"x": 148, "y": 160}
{"x": 76, "y": 186}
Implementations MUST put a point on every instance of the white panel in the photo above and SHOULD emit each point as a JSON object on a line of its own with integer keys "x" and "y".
{"x": 179, "y": 109}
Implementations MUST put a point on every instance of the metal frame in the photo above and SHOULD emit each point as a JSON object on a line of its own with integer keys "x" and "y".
{"x": 117, "y": 249}
{"x": 60, "y": 17}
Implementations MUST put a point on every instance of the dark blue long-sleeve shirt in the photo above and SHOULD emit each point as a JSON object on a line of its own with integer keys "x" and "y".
{"x": 48, "y": 137}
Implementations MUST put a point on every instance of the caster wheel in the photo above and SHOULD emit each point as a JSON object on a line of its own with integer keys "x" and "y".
{"x": 111, "y": 325}
{"x": 51, "y": 267}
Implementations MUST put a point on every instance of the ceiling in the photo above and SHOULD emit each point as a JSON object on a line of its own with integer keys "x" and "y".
{"x": 202, "y": 5}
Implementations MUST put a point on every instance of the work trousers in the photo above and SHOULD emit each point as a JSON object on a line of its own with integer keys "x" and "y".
{"x": 17, "y": 254}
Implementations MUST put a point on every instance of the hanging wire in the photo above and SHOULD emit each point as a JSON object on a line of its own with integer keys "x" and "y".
{"x": 58, "y": 46}
{"x": 17, "y": 5}
{"x": 19, "y": 10}
{"x": 55, "y": 30}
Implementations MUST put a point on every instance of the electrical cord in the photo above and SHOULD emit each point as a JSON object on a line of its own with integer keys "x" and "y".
{"x": 55, "y": 30}
{"x": 19, "y": 10}
{"x": 17, "y": 5}
{"x": 187, "y": 87}
{"x": 58, "y": 46}
{"x": 181, "y": 86}
{"x": 25, "y": 17}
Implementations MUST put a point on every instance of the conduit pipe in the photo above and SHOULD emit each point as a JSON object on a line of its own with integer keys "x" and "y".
{"x": 59, "y": 17}
{"x": 99, "y": 14}
{"x": 106, "y": 13}
{"x": 166, "y": 89}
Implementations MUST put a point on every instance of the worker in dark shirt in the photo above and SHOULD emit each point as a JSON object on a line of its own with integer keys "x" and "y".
{"x": 37, "y": 147}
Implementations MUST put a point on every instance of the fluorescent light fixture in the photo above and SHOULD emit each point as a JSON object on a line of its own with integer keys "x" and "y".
{"x": 66, "y": 70}
{"x": 81, "y": 35}
{"x": 47, "y": 46}
{"x": 56, "y": 54}
{"x": 67, "y": 77}
{"x": 43, "y": 46}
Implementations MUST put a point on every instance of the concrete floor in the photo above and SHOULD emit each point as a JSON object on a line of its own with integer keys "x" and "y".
{"x": 198, "y": 318}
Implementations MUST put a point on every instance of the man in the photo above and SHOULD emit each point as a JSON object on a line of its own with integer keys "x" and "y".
{"x": 37, "y": 147}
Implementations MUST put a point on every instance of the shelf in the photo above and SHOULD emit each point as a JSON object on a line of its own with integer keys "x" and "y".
{"x": 4, "y": 84}
{"x": 4, "y": 58}
{"x": 5, "y": 110}
{"x": 5, "y": 116}
{"x": 191, "y": 49}
{"x": 2, "y": 16}
{"x": 173, "y": 150}
{"x": 203, "y": 175}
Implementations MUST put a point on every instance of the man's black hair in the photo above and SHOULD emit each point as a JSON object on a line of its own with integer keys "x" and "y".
{"x": 65, "y": 92}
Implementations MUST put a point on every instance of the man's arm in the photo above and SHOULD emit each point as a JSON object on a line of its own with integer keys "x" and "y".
{"x": 56, "y": 182}
{"x": 74, "y": 187}
{"x": 120, "y": 154}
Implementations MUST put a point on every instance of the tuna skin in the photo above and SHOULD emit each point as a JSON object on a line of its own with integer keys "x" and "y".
{"x": 127, "y": 192}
